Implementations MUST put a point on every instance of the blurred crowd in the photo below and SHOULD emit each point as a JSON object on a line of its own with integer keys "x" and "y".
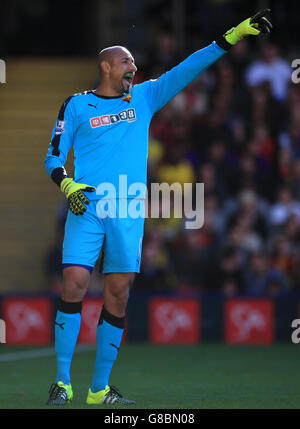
{"x": 237, "y": 130}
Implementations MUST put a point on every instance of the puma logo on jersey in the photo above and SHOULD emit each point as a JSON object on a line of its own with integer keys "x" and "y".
{"x": 126, "y": 115}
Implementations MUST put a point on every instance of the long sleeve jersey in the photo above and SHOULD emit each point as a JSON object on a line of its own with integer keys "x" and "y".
{"x": 110, "y": 135}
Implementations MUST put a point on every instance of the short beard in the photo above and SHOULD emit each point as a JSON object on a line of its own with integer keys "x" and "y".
{"x": 126, "y": 91}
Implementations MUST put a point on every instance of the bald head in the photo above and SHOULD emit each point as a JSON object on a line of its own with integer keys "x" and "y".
{"x": 111, "y": 54}
{"x": 116, "y": 70}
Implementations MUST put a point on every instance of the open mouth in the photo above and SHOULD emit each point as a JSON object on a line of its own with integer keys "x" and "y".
{"x": 128, "y": 77}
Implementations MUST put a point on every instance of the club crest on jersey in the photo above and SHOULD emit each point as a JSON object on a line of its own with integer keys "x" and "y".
{"x": 59, "y": 128}
{"x": 126, "y": 115}
{"x": 127, "y": 98}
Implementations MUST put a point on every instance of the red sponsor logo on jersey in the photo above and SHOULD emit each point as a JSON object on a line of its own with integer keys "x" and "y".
{"x": 105, "y": 120}
{"x": 249, "y": 321}
{"x": 125, "y": 115}
{"x": 174, "y": 321}
{"x": 28, "y": 320}
{"x": 95, "y": 122}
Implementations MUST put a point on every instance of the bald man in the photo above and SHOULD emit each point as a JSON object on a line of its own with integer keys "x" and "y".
{"x": 108, "y": 129}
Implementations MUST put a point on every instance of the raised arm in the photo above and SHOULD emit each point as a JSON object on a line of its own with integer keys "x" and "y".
{"x": 169, "y": 84}
{"x": 163, "y": 89}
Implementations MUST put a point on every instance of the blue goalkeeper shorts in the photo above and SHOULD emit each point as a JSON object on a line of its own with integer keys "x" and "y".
{"x": 117, "y": 235}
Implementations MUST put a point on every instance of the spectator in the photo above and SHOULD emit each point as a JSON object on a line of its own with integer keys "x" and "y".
{"x": 271, "y": 68}
{"x": 228, "y": 274}
{"x": 212, "y": 183}
{"x": 195, "y": 259}
{"x": 164, "y": 55}
{"x": 294, "y": 180}
{"x": 192, "y": 101}
{"x": 261, "y": 279}
{"x": 239, "y": 59}
{"x": 157, "y": 272}
{"x": 283, "y": 256}
{"x": 177, "y": 169}
{"x": 284, "y": 207}
{"x": 249, "y": 214}
{"x": 225, "y": 167}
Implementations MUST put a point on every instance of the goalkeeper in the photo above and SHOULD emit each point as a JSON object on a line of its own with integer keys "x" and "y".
{"x": 108, "y": 129}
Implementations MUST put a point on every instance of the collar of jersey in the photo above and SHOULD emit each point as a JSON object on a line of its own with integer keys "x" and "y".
{"x": 106, "y": 97}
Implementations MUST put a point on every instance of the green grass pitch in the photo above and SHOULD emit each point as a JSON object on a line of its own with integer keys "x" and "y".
{"x": 207, "y": 376}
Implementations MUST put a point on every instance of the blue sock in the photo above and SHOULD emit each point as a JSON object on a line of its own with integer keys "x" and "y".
{"x": 109, "y": 336}
{"x": 67, "y": 327}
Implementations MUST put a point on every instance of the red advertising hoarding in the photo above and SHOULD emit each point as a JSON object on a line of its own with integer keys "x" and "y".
{"x": 249, "y": 321}
{"x": 91, "y": 310}
{"x": 28, "y": 320}
{"x": 174, "y": 321}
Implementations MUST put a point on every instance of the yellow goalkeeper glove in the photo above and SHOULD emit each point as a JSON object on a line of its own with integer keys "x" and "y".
{"x": 251, "y": 26}
{"x": 75, "y": 196}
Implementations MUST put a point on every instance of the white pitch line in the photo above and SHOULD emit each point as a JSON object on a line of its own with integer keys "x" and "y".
{"x": 35, "y": 353}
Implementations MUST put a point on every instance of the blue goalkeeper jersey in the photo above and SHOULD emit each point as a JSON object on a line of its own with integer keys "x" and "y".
{"x": 110, "y": 135}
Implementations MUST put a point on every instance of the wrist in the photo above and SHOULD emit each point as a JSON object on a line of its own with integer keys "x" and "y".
{"x": 65, "y": 183}
{"x": 222, "y": 42}
{"x": 231, "y": 36}
{"x": 58, "y": 175}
